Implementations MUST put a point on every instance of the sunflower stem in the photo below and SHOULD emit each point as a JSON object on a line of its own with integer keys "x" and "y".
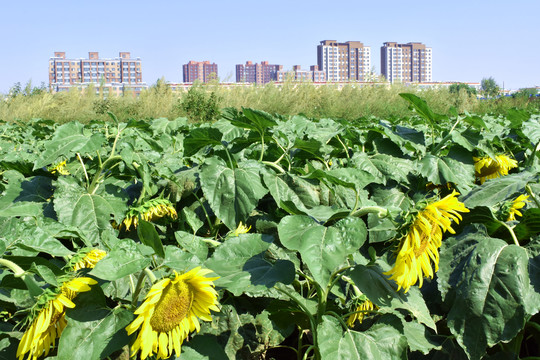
{"x": 138, "y": 288}
{"x": 340, "y": 318}
{"x": 532, "y": 195}
{"x": 150, "y": 275}
{"x": 381, "y": 212}
{"x": 274, "y": 165}
{"x": 18, "y": 272}
{"x": 312, "y": 322}
{"x": 344, "y": 147}
{"x": 511, "y": 231}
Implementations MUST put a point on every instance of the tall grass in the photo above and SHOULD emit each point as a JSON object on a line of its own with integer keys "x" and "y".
{"x": 350, "y": 102}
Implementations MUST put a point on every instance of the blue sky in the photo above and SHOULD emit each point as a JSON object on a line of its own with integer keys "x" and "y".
{"x": 470, "y": 39}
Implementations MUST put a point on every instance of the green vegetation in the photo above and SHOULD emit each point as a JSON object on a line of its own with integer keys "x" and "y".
{"x": 349, "y": 103}
{"x": 404, "y": 237}
{"x": 489, "y": 87}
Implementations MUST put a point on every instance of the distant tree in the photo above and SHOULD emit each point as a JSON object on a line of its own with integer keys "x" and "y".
{"x": 456, "y": 88}
{"x": 526, "y": 92}
{"x": 489, "y": 87}
{"x": 15, "y": 89}
{"x": 199, "y": 105}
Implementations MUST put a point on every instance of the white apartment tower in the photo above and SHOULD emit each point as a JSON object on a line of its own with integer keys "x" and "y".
{"x": 409, "y": 62}
{"x": 344, "y": 61}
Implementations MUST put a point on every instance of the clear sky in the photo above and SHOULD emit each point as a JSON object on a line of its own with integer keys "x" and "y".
{"x": 471, "y": 39}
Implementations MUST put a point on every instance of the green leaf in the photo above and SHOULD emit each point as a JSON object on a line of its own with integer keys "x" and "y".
{"x": 125, "y": 258}
{"x": 250, "y": 119}
{"x": 25, "y": 197}
{"x": 229, "y": 262}
{"x": 199, "y": 138}
{"x": 149, "y": 236}
{"x": 384, "y": 167}
{"x": 495, "y": 190}
{"x": 203, "y": 347}
{"x": 441, "y": 171}
{"x": 323, "y": 249}
{"x": 380, "y": 342}
{"x": 67, "y": 140}
{"x": 383, "y": 293}
{"x": 420, "y": 106}
{"x": 485, "y": 282}
{"x": 90, "y": 213}
{"x": 529, "y": 224}
{"x": 93, "y": 332}
{"x": 232, "y": 194}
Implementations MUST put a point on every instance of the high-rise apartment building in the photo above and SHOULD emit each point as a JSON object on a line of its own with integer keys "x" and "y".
{"x": 344, "y": 61}
{"x": 409, "y": 62}
{"x": 124, "y": 69}
{"x": 297, "y": 74}
{"x": 257, "y": 73}
{"x": 202, "y": 71}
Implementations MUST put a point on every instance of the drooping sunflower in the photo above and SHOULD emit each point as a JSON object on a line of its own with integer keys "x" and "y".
{"x": 489, "y": 168}
{"x": 171, "y": 310}
{"x": 361, "y": 311}
{"x": 419, "y": 247}
{"x": 87, "y": 259}
{"x": 48, "y": 317}
{"x": 149, "y": 211}
{"x": 59, "y": 168}
{"x": 517, "y": 204}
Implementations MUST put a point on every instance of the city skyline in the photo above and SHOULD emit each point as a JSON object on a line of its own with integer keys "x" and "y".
{"x": 470, "y": 40}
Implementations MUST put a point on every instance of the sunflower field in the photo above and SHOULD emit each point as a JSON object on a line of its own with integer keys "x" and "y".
{"x": 261, "y": 236}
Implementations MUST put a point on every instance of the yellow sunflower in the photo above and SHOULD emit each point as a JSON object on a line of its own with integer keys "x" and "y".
{"x": 49, "y": 318}
{"x": 59, "y": 168}
{"x": 488, "y": 168}
{"x": 517, "y": 204}
{"x": 170, "y": 311}
{"x": 419, "y": 247}
{"x": 152, "y": 210}
{"x": 361, "y": 311}
{"x": 88, "y": 260}
{"x": 241, "y": 229}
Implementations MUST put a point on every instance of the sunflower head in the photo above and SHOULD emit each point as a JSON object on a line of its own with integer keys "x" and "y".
{"x": 171, "y": 310}
{"x": 418, "y": 249}
{"x": 491, "y": 168}
{"x": 59, "y": 168}
{"x": 87, "y": 259}
{"x": 47, "y": 317}
{"x": 362, "y": 310}
{"x": 512, "y": 209}
{"x": 151, "y": 210}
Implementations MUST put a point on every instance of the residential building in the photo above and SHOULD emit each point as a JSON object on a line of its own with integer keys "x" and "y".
{"x": 122, "y": 71}
{"x": 202, "y": 71}
{"x": 349, "y": 61}
{"x": 297, "y": 74}
{"x": 257, "y": 73}
{"x": 409, "y": 62}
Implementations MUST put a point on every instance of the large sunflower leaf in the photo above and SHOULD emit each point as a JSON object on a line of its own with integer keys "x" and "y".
{"x": 322, "y": 248}
{"x": 496, "y": 190}
{"x": 90, "y": 213}
{"x": 68, "y": 139}
{"x": 242, "y": 267}
{"x": 441, "y": 171}
{"x": 383, "y": 293}
{"x": 380, "y": 342}
{"x": 486, "y": 283}
{"x": 93, "y": 331}
{"x": 232, "y": 193}
{"x": 124, "y": 258}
